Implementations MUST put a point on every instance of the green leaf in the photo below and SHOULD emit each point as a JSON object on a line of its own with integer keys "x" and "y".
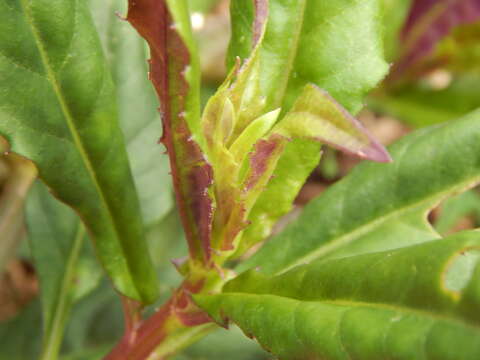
{"x": 136, "y": 100}
{"x": 59, "y": 111}
{"x": 137, "y": 103}
{"x": 317, "y": 116}
{"x": 336, "y": 45}
{"x": 57, "y": 242}
{"x": 381, "y": 206}
{"x": 409, "y": 303}
{"x": 238, "y": 184}
{"x": 344, "y": 38}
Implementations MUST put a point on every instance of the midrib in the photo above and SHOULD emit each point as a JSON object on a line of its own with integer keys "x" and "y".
{"x": 435, "y": 315}
{"x": 353, "y": 235}
{"x": 71, "y": 123}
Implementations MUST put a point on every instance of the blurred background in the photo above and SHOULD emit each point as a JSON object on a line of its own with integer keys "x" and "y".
{"x": 434, "y": 50}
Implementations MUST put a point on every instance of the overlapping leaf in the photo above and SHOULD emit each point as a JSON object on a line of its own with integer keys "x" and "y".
{"x": 231, "y": 132}
{"x": 344, "y": 38}
{"x": 382, "y": 206}
{"x": 409, "y": 303}
{"x": 65, "y": 272}
{"x": 58, "y": 109}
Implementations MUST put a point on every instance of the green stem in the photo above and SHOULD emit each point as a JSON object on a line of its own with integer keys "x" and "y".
{"x": 182, "y": 339}
{"x": 54, "y": 333}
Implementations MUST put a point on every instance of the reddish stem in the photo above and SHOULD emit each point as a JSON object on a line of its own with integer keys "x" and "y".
{"x": 143, "y": 336}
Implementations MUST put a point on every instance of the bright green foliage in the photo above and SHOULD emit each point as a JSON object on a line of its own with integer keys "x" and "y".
{"x": 382, "y": 206}
{"x": 377, "y": 283}
{"x": 409, "y": 303}
{"x": 239, "y": 180}
{"x": 333, "y": 45}
{"x": 249, "y": 107}
{"x": 336, "y": 45}
{"x": 59, "y": 111}
{"x": 315, "y": 115}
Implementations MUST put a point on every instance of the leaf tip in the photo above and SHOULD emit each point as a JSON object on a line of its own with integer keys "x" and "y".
{"x": 375, "y": 152}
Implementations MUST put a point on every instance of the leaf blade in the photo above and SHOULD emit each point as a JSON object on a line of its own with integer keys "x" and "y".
{"x": 297, "y": 32}
{"x": 399, "y": 197}
{"x": 78, "y": 138}
{"x": 362, "y": 306}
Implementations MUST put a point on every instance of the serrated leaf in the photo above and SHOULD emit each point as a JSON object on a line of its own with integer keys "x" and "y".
{"x": 174, "y": 72}
{"x": 381, "y": 206}
{"x": 409, "y": 303}
{"x": 58, "y": 110}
